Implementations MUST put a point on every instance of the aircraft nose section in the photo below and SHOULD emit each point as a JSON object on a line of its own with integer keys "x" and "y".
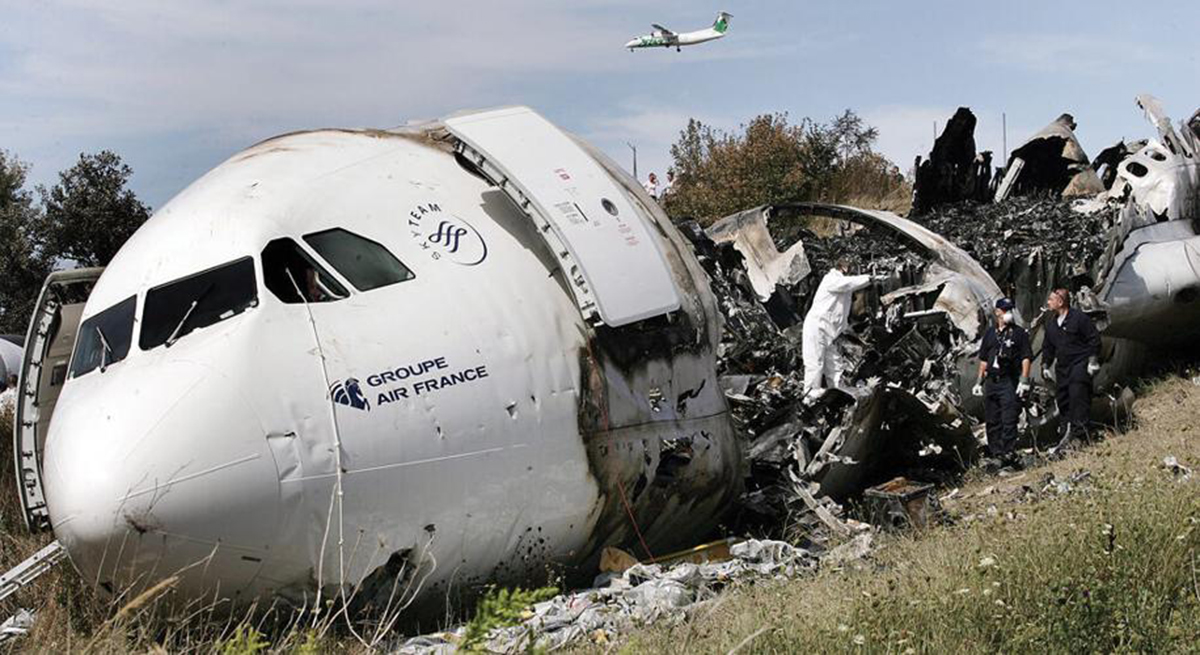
{"x": 152, "y": 471}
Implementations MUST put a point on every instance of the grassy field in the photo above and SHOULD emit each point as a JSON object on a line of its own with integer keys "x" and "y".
{"x": 1111, "y": 563}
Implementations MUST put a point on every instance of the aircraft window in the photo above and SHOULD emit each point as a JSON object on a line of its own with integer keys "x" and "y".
{"x": 175, "y": 309}
{"x": 368, "y": 265}
{"x": 294, "y": 277}
{"x": 104, "y": 339}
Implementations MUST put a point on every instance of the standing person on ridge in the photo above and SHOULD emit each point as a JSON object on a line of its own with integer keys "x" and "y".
{"x": 1005, "y": 358}
{"x": 1070, "y": 357}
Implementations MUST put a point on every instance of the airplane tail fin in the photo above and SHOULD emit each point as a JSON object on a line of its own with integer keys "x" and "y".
{"x": 721, "y": 24}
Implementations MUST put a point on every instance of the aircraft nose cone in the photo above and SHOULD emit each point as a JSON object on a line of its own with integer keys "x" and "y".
{"x": 151, "y": 471}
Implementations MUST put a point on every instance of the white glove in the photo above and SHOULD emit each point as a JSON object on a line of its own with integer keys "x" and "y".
{"x": 977, "y": 390}
{"x": 1048, "y": 373}
{"x": 1023, "y": 387}
{"x": 1093, "y": 366}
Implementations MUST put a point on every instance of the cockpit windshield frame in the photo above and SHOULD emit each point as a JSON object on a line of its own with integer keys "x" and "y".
{"x": 364, "y": 263}
{"x": 104, "y": 338}
{"x": 177, "y": 308}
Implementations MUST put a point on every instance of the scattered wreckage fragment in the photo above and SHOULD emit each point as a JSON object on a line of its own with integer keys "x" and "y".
{"x": 954, "y": 172}
{"x": 643, "y": 594}
{"x": 1151, "y": 286}
{"x": 1051, "y": 160}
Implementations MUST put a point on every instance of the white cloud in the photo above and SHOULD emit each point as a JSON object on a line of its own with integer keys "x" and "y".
{"x": 1069, "y": 54}
{"x": 230, "y": 73}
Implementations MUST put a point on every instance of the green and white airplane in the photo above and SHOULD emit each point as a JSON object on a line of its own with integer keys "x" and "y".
{"x": 662, "y": 37}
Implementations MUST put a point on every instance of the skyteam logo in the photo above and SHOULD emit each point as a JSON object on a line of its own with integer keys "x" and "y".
{"x": 446, "y": 236}
{"x": 349, "y": 393}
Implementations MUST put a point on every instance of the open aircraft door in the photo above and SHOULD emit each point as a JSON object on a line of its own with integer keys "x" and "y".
{"x": 617, "y": 272}
{"x": 48, "y": 348}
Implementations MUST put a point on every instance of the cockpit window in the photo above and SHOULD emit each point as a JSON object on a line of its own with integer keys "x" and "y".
{"x": 293, "y": 276}
{"x": 365, "y": 263}
{"x": 104, "y": 339}
{"x": 177, "y": 308}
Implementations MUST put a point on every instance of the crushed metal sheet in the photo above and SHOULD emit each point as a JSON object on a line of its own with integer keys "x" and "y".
{"x": 911, "y": 338}
{"x": 766, "y": 266}
{"x": 642, "y": 594}
{"x": 1050, "y": 161}
{"x": 17, "y": 625}
{"x": 1164, "y": 175}
{"x": 1180, "y": 471}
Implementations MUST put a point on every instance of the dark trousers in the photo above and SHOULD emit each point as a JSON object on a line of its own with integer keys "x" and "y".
{"x": 1000, "y": 410}
{"x": 1074, "y": 398}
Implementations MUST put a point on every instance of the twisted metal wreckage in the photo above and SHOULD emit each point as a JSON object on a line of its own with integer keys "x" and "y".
{"x": 661, "y": 414}
{"x": 1121, "y": 233}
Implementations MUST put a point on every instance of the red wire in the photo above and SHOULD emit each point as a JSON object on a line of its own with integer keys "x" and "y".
{"x": 642, "y": 540}
{"x": 620, "y": 485}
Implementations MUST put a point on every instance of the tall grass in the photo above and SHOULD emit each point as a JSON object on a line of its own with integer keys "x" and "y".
{"x": 1113, "y": 567}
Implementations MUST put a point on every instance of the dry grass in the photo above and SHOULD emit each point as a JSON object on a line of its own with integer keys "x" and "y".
{"x": 1111, "y": 566}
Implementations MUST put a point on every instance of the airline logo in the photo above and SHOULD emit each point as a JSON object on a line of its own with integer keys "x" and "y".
{"x": 446, "y": 236}
{"x": 349, "y": 393}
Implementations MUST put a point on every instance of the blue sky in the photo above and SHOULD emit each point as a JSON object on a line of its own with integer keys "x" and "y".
{"x": 175, "y": 87}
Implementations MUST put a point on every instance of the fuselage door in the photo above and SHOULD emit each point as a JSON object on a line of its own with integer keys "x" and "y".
{"x": 606, "y": 247}
{"x": 48, "y": 347}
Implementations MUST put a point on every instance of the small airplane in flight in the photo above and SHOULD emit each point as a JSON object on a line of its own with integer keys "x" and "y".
{"x": 662, "y": 37}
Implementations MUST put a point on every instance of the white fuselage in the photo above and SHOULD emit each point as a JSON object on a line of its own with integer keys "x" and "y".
{"x": 661, "y": 40}
{"x": 476, "y": 457}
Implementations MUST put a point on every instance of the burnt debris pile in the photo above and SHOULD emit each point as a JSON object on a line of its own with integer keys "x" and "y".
{"x": 1048, "y": 218}
{"x": 896, "y": 410}
{"x": 1025, "y": 226}
{"x": 1032, "y": 244}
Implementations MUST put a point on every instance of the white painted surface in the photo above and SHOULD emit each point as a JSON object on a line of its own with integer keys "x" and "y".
{"x": 608, "y": 240}
{"x": 226, "y": 443}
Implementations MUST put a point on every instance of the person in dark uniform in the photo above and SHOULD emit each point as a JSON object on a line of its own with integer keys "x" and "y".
{"x": 1070, "y": 357}
{"x": 1004, "y": 360}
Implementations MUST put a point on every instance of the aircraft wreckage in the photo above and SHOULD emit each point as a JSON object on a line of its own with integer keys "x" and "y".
{"x": 400, "y": 363}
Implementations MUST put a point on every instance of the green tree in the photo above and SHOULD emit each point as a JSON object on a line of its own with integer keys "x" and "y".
{"x": 770, "y": 160}
{"x": 23, "y": 265}
{"x": 90, "y": 213}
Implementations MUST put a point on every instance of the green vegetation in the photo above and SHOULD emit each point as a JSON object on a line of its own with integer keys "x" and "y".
{"x": 84, "y": 219}
{"x": 246, "y": 640}
{"x": 770, "y": 160}
{"x": 500, "y": 608}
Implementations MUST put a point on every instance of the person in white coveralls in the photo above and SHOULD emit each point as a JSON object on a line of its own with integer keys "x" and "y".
{"x": 828, "y": 317}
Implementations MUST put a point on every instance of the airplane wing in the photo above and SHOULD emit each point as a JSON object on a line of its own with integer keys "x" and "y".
{"x": 660, "y": 28}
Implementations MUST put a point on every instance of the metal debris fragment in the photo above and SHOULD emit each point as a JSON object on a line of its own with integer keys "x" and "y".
{"x": 1050, "y": 161}
{"x": 954, "y": 172}
{"x": 900, "y": 503}
{"x": 1180, "y": 471}
{"x": 17, "y": 625}
{"x": 642, "y": 594}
